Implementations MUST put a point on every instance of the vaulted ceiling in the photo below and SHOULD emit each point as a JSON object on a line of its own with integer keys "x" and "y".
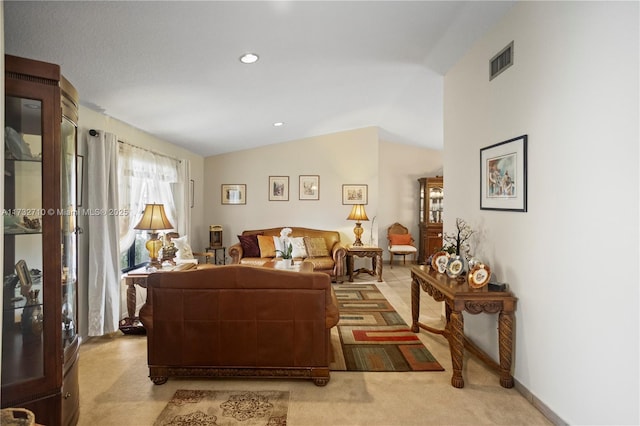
{"x": 172, "y": 69}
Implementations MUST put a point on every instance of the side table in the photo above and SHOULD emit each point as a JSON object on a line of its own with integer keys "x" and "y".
{"x": 131, "y": 324}
{"x": 216, "y": 257}
{"x": 375, "y": 253}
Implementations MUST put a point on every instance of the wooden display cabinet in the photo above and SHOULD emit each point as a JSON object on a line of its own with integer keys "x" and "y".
{"x": 40, "y": 344}
{"x": 430, "y": 216}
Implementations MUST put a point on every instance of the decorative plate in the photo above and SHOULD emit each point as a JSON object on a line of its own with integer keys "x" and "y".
{"x": 479, "y": 276}
{"x": 439, "y": 261}
{"x": 455, "y": 266}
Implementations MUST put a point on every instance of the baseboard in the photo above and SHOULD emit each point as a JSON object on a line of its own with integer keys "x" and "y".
{"x": 539, "y": 405}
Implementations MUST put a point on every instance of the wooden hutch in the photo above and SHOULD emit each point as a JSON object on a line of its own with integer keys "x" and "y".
{"x": 430, "y": 216}
{"x": 40, "y": 344}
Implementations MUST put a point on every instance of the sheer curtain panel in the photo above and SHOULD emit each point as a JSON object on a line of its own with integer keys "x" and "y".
{"x": 103, "y": 230}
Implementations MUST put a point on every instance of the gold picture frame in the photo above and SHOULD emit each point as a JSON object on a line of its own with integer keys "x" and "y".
{"x": 234, "y": 193}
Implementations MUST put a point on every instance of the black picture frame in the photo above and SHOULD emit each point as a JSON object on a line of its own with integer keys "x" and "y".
{"x": 503, "y": 175}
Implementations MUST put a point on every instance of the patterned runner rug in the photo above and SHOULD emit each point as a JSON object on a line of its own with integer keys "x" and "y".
{"x": 225, "y": 408}
{"x": 372, "y": 336}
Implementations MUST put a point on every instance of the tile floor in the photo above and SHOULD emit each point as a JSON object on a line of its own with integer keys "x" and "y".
{"x": 115, "y": 389}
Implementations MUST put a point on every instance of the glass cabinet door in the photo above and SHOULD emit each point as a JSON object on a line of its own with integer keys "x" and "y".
{"x": 23, "y": 347}
{"x": 435, "y": 204}
{"x": 68, "y": 219}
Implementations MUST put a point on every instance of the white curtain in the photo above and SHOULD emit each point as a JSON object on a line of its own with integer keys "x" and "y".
{"x": 104, "y": 265}
{"x": 145, "y": 178}
{"x": 183, "y": 198}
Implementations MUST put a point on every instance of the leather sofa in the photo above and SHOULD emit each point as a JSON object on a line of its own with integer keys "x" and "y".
{"x": 239, "y": 321}
{"x": 332, "y": 264}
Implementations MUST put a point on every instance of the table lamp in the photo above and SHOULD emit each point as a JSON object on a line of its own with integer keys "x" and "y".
{"x": 153, "y": 220}
{"x": 358, "y": 214}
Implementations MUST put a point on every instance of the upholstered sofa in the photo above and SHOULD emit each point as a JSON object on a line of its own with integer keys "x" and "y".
{"x": 239, "y": 321}
{"x": 332, "y": 262}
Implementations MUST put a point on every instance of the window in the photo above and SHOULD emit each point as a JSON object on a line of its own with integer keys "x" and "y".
{"x": 145, "y": 177}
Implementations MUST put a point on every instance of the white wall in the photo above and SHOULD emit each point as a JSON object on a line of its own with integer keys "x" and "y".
{"x": 400, "y": 168}
{"x": 572, "y": 259}
{"x": 351, "y": 157}
{"x": 199, "y": 235}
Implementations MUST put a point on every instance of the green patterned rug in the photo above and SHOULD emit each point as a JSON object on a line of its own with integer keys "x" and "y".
{"x": 225, "y": 408}
{"x": 372, "y": 336}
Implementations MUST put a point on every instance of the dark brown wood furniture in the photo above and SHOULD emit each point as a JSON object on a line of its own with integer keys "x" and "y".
{"x": 430, "y": 216}
{"x": 40, "y": 344}
{"x": 375, "y": 253}
{"x": 458, "y": 298}
{"x": 400, "y": 248}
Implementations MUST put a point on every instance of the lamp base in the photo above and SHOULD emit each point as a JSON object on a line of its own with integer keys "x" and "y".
{"x": 153, "y": 246}
{"x": 358, "y": 230}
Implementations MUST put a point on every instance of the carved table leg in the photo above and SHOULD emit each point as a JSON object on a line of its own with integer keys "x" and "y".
{"x": 131, "y": 300}
{"x": 350, "y": 267}
{"x": 505, "y": 336}
{"x": 377, "y": 260}
{"x": 456, "y": 346}
{"x": 415, "y": 305}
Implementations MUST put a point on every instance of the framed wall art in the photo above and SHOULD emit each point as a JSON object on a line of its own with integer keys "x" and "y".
{"x": 355, "y": 194}
{"x": 503, "y": 175}
{"x": 234, "y": 194}
{"x": 278, "y": 188}
{"x": 309, "y": 188}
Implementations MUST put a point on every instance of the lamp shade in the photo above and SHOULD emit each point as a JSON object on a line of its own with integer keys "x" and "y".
{"x": 358, "y": 213}
{"x": 154, "y": 218}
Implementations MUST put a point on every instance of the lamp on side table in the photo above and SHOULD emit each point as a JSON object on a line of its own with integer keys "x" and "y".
{"x": 358, "y": 214}
{"x": 153, "y": 220}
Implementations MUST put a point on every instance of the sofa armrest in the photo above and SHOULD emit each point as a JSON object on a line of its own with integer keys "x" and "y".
{"x": 146, "y": 314}
{"x": 338, "y": 253}
{"x": 235, "y": 251}
{"x": 332, "y": 311}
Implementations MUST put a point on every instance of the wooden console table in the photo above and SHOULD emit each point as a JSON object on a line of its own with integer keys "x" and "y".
{"x": 459, "y": 297}
{"x": 375, "y": 253}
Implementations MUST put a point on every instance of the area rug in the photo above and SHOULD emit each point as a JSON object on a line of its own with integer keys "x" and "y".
{"x": 225, "y": 408}
{"x": 372, "y": 336}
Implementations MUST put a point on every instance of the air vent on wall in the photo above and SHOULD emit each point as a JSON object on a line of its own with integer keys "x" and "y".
{"x": 501, "y": 61}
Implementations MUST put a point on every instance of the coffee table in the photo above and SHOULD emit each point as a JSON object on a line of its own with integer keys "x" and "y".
{"x": 298, "y": 266}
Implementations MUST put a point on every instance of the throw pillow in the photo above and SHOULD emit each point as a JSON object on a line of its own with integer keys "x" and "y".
{"x": 299, "y": 250}
{"x": 316, "y": 247}
{"x": 400, "y": 239}
{"x": 267, "y": 247}
{"x": 277, "y": 243}
{"x": 250, "y": 247}
{"x": 184, "y": 249}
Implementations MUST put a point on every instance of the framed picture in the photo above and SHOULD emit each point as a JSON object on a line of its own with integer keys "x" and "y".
{"x": 22, "y": 271}
{"x": 278, "y": 188}
{"x": 355, "y": 194}
{"x": 309, "y": 187}
{"x": 503, "y": 175}
{"x": 234, "y": 194}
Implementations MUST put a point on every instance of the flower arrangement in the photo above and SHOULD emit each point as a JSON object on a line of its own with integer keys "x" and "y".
{"x": 286, "y": 244}
{"x": 457, "y": 242}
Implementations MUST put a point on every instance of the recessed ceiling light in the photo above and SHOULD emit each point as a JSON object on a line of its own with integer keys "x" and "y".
{"x": 249, "y": 58}
{"x": 278, "y": 124}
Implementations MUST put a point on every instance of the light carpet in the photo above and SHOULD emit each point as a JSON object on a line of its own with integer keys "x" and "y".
{"x": 225, "y": 408}
{"x": 372, "y": 336}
